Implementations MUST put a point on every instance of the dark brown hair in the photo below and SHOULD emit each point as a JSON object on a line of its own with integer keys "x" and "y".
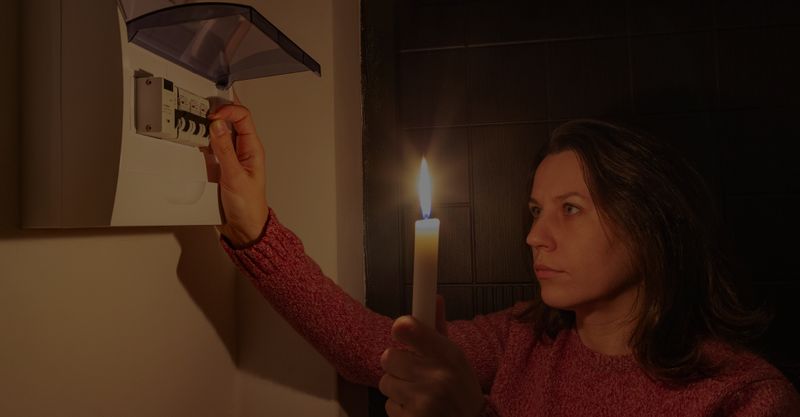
{"x": 652, "y": 197}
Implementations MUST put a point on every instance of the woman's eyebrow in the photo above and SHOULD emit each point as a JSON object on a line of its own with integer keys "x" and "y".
{"x": 560, "y": 197}
{"x": 570, "y": 194}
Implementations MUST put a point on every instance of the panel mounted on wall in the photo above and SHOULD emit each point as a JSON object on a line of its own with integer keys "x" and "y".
{"x": 114, "y": 110}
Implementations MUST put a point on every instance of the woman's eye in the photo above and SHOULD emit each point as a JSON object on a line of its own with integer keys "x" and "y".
{"x": 535, "y": 211}
{"x": 569, "y": 209}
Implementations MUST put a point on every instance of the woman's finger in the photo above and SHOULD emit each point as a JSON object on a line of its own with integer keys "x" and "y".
{"x": 394, "y": 409}
{"x": 248, "y": 146}
{"x": 397, "y": 389}
{"x": 221, "y": 139}
{"x": 402, "y": 364}
{"x": 238, "y": 115}
{"x": 420, "y": 338}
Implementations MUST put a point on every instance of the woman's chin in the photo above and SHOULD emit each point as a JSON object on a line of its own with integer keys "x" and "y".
{"x": 560, "y": 301}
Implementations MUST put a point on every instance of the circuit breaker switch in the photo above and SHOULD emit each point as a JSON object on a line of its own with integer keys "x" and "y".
{"x": 166, "y": 111}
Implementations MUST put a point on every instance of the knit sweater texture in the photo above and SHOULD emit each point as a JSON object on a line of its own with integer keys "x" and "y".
{"x": 519, "y": 375}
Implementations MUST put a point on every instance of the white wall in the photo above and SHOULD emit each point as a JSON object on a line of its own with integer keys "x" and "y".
{"x": 155, "y": 321}
{"x": 311, "y": 128}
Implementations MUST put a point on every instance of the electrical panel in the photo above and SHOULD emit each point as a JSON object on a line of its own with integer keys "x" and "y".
{"x": 117, "y": 94}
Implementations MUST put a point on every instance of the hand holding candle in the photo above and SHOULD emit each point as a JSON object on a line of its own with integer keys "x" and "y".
{"x": 426, "y": 254}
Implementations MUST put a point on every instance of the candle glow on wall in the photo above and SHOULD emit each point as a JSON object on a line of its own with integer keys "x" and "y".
{"x": 426, "y": 253}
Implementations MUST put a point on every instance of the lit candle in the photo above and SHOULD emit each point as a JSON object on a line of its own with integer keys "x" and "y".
{"x": 426, "y": 254}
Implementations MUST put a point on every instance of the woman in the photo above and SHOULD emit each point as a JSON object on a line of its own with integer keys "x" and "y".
{"x": 634, "y": 314}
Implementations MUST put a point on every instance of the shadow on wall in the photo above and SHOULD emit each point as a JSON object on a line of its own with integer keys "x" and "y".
{"x": 261, "y": 343}
{"x": 206, "y": 273}
{"x": 270, "y": 349}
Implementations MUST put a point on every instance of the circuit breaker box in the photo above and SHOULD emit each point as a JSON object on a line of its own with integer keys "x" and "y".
{"x": 115, "y": 99}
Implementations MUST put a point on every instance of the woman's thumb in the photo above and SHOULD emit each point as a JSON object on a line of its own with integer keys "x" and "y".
{"x": 221, "y": 139}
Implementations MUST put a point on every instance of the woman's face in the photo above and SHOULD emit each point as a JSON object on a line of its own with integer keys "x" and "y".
{"x": 581, "y": 266}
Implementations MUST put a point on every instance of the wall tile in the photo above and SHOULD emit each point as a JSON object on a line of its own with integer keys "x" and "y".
{"x": 782, "y": 80}
{"x": 694, "y": 136}
{"x": 502, "y": 163}
{"x": 589, "y": 78}
{"x": 766, "y": 230}
{"x": 742, "y": 68}
{"x": 447, "y": 153}
{"x": 489, "y": 299}
{"x": 515, "y": 21}
{"x": 739, "y": 13}
{"x": 670, "y": 16}
{"x": 782, "y": 12}
{"x": 432, "y": 88}
{"x": 673, "y": 73}
{"x": 756, "y": 69}
{"x": 430, "y": 25}
{"x": 507, "y": 83}
{"x": 506, "y": 21}
{"x": 759, "y": 151}
{"x": 586, "y": 18}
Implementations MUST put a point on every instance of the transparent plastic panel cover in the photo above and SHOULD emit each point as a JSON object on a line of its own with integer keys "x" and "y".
{"x": 132, "y": 9}
{"x": 222, "y": 42}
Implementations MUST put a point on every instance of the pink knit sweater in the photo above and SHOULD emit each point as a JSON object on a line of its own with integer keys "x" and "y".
{"x": 520, "y": 376}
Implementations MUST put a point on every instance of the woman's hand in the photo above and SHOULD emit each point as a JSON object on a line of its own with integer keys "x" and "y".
{"x": 430, "y": 378}
{"x": 242, "y": 180}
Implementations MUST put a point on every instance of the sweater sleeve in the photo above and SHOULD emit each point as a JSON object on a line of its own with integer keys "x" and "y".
{"x": 775, "y": 397}
{"x": 489, "y": 409}
{"x": 345, "y": 332}
{"x": 483, "y": 340}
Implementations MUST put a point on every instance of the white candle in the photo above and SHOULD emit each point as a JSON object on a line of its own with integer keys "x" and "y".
{"x": 426, "y": 254}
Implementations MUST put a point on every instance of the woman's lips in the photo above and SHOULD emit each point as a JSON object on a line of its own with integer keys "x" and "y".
{"x": 544, "y": 271}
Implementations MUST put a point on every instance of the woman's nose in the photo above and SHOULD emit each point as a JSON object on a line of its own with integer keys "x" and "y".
{"x": 540, "y": 237}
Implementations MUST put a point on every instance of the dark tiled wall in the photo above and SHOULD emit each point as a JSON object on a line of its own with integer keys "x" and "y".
{"x": 480, "y": 84}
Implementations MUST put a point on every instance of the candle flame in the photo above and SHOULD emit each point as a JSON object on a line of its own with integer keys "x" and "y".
{"x": 424, "y": 189}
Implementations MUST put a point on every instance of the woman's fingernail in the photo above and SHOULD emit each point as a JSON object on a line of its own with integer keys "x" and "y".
{"x": 219, "y": 128}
